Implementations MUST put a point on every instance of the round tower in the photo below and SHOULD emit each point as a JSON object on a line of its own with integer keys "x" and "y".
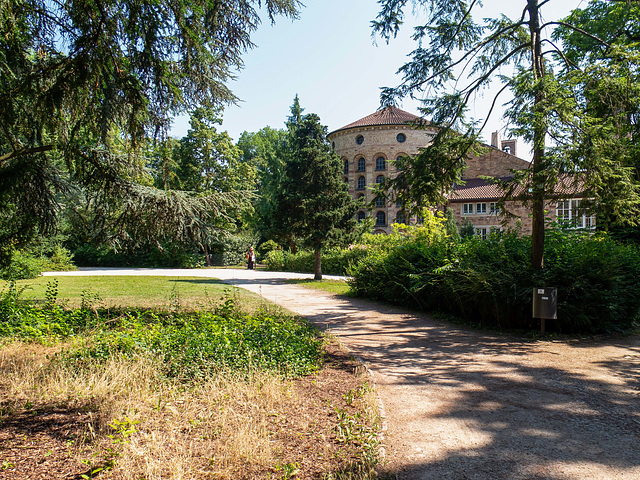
{"x": 369, "y": 148}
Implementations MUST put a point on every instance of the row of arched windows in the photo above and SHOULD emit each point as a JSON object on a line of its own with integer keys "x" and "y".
{"x": 361, "y": 183}
{"x": 381, "y": 164}
{"x": 381, "y": 218}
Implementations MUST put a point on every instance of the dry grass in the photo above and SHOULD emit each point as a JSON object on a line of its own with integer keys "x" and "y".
{"x": 223, "y": 428}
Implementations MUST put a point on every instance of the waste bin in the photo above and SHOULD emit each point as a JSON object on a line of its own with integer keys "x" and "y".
{"x": 545, "y": 303}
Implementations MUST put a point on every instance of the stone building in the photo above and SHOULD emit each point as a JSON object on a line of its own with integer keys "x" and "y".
{"x": 370, "y": 146}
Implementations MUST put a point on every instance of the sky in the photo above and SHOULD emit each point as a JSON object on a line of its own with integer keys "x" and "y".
{"x": 330, "y": 60}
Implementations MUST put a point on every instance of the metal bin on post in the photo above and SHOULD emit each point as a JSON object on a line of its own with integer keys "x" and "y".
{"x": 545, "y": 304}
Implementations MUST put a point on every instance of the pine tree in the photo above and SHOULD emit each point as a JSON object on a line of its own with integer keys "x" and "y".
{"x": 314, "y": 201}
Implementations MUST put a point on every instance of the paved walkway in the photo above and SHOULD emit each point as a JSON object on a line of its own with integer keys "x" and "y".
{"x": 463, "y": 404}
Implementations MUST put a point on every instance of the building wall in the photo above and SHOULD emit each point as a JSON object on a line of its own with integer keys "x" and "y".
{"x": 378, "y": 141}
{"x": 522, "y": 215}
{"x": 381, "y": 141}
{"x": 493, "y": 163}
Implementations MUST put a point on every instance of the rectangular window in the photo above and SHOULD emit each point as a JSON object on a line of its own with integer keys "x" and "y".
{"x": 571, "y": 214}
{"x": 482, "y": 232}
{"x": 467, "y": 208}
{"x": 481, "y": 208}
{"x": 494, "y": 209}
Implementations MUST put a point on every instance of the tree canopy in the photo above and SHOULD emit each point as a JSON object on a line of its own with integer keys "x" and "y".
{"x": 459, "y": 56}
{"x": 313, "y": 201}
{"x": 85, "y": 82}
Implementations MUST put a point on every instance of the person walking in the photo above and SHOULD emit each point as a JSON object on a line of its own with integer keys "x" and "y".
{"x": 251, "y": 258}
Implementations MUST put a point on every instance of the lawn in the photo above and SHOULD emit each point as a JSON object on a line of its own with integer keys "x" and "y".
{"x": 137, "y": 292}
{"x": 337, "y": 287}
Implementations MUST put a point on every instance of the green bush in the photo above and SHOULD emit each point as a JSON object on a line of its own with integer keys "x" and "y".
{"x": 200, "y": 344}
{"x": 168, "y": 256}
{"x": 490, "y": 282}
{"x": 266, "y": 247}
{"x": 23, "y": 265}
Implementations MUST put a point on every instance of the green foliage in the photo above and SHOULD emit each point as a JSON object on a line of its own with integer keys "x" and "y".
{"x": 583, "y": 94}
{"x": 188, "y": 345}
{"x": 23, "y": 265}
{"x": 194, "y": 346}
{"x": 45, "y": 323}
{"x": 231, "y": 249}
{"x": 313, "y": 203}
{"x": 168, "y": 255}
{"x": 335, "y": 261}
{"x": 467, "y": 230}
{"x": 265, "y": 247}
{"x": 490, "y": 282}
{"x": 83, "y": 85}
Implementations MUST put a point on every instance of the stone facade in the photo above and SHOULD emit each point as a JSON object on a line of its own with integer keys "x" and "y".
{"x": 370, "y": 146}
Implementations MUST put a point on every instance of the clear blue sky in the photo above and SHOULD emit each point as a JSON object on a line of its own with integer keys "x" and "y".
{"x": 328, "y": 58}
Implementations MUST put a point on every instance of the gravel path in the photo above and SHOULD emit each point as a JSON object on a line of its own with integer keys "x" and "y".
{"x": 463, "y": 404}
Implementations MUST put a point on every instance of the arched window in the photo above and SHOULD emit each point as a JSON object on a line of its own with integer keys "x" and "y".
{"x": 381, "y": 218}
{"x": 361, "y": 183}
{"x": 361, "y": 164}
{"x": 346, "y": 166}
{"x": 400, "y": 218}
{"x": 346, "y": 180}
{"x": 380, "y": 201}
{"x": 399, "y": 162}
{"x": 380, "y": 179}
{"x": 361, "y": 216}
{"x": 381, "y": 163}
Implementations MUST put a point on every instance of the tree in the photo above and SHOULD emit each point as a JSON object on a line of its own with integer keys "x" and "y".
{"x": 604, "y": 81}
{"x": 81, "y": 78}
{"x": 265, "y": 151}
{"x": 314, "y": 201}
{"x": 456, "y": 59}
{"x": 207, "y": 161}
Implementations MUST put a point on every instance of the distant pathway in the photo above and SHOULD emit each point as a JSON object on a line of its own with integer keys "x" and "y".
{"x": 463, "y": 404}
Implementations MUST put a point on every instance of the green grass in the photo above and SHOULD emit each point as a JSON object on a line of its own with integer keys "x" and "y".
{"x": 337, "y": 287}
{"x": 137, "y": 291}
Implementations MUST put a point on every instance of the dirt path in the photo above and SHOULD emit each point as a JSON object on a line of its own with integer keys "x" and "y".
{"x": 462, "y": 404}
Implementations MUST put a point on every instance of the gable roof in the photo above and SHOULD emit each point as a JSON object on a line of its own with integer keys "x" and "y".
{"x": 385, "y": 116}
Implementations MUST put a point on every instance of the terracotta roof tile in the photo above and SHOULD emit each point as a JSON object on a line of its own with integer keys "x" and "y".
{"x": 475, "y": 189}
{"x": 481, "y": 189}
{"x": 386, "y": 116}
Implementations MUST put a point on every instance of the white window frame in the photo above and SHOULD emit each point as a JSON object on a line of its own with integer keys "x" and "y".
{"x": 467, "y": 209}
{"x": 481, "y": 208}
{"x": 570, "y": 213}
{"x": 494, "y": 209}
{"x": 483, "y": 231}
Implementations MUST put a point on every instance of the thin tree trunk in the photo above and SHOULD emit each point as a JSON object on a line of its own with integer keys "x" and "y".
{"x": 317, "y": 264}
{"x": 539, "y": 133}
{"x": 206, "y": 255}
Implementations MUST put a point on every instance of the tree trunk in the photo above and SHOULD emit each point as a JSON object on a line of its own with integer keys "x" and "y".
{"x": 317, "y": 264}
{"x": 206, "y": 255}
{"x": 539, "y": 180}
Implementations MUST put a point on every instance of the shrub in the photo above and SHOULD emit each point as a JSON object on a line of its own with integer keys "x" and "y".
{"x": 265, "y": 248}
{"x": 23, "y": 265}
{"x": 490, "y": 282}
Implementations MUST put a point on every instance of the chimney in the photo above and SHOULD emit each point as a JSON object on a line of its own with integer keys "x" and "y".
{"x": 509, "y": 146}
{"x": 495, "y": 140}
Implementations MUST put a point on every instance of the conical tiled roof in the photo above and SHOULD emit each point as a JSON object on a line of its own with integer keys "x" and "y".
{"x": 385, "y": 116}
